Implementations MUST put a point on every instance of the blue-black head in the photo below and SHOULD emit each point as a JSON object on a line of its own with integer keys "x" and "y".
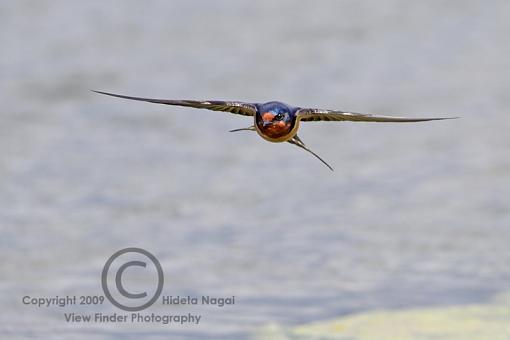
{"x": 275, "y": 120}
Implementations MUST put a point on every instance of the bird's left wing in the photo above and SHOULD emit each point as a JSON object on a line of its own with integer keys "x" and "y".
{"x": 332, "y": 115}
{"x": 240, "y": 108}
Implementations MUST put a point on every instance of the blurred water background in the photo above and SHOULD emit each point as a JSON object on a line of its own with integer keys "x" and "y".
{"x": 415, "y": 215}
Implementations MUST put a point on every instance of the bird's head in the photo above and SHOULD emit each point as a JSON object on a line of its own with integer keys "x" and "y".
{"x": 275, "y": 119}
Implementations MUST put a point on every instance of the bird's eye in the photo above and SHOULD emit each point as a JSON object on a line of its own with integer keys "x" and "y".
{"x": 279, "y": 116}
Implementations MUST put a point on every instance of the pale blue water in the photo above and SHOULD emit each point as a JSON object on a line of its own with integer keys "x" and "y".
{"x": 414, "y": 215}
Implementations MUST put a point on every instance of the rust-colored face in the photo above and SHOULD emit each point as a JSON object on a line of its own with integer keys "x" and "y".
{"x": 275, "y": 124}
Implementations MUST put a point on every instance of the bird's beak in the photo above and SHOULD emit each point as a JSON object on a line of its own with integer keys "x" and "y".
{"x": 266, "y": 123}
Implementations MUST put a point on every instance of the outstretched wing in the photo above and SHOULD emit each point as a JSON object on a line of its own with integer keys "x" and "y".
{"x": 240, "y": 108}
{"x": 331, "y": 115}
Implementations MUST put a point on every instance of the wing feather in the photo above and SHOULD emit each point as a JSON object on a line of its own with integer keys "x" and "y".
{"x": 308, "y": 115}
{"x": 240, "y": 108}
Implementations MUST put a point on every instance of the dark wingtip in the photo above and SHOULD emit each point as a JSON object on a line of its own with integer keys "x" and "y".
{"x": 446, "y": 118}
{"x": 418, "y": 120}
{"x": 421, "y": 120}
{"x": 127, "y": 97}
{"x": 106, "y": 93}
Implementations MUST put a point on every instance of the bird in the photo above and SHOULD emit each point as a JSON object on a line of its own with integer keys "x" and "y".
{"x": 275, "y": 121}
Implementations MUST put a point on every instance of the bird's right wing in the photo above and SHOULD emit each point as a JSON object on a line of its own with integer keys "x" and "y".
{"x": 240, "y": 108}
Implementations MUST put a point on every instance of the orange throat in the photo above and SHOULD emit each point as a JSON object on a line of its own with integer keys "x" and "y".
{"x": 279, "y": 131}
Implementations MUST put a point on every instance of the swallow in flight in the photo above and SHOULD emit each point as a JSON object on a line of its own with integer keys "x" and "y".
{"x": 275, "y": 121}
